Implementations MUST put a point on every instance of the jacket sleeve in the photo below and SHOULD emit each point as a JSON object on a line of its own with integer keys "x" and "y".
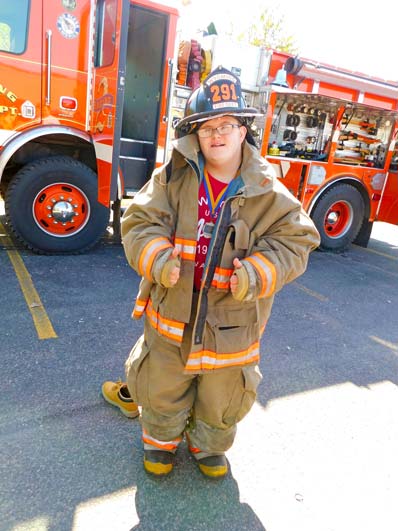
{"x": 282, "y": 242}
{"x": 148, "y": 228}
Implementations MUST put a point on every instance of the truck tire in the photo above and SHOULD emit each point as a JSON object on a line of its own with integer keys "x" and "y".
{"x": 363, "y": 235}
{"x": 52, "y": 208}
{"x": 338, "y": 216}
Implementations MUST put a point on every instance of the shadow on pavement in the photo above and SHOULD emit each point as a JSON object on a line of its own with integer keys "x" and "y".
{"x": 188, "y": 501}
{"x": 336, "y": 324}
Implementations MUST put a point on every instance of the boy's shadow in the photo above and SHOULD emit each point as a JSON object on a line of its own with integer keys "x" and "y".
{"x": 188, "y": 501}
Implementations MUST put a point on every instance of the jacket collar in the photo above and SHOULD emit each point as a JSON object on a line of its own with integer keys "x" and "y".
{"x": 185, "y": 148}
{"x": 255, "y": 172}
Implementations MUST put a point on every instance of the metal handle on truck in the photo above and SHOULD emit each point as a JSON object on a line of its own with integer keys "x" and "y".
{"x": 165, "y": 118}
{"x": 49, "y": 37}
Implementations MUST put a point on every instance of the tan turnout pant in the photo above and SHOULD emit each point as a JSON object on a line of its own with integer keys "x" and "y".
{"x": 205, "y": 406}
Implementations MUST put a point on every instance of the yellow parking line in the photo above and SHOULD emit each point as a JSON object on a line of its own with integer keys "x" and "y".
{"x": 386, "y": 255}
{"x": 40, "y": 318}
{"x": 388, "y": 344}
{"x": 310, "y": 292}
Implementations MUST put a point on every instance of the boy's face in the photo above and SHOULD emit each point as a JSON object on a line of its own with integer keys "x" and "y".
{"x": 220, "y": 149}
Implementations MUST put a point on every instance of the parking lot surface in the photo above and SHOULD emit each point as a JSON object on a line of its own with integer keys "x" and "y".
{"x": 318, "y": 452}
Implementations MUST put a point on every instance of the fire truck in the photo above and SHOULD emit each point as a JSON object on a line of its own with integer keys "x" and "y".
{"x": 87, "y": 99}
{"x": 331, "y": 135}
{"x": 84, "y": 98}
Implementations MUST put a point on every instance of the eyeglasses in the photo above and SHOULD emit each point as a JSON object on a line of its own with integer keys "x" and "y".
{"x": 225, "y": 129}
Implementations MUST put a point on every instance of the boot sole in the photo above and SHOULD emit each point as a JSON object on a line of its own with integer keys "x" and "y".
{"x": 213, "y": 472}
{"x": 157, "y": 469}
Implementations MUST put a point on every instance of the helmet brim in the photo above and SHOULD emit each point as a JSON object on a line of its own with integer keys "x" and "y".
{"x": 248, "y": 112}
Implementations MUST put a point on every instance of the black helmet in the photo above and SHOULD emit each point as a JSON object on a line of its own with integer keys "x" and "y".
{"x": 220, "y": 94}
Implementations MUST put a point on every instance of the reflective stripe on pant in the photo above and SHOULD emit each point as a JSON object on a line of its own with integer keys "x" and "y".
{"x": 212, "y": 402}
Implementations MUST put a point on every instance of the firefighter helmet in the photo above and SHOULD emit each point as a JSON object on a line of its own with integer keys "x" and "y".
{"x": 219, "y": 94}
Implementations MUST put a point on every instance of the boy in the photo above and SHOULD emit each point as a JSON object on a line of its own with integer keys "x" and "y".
{"x": 214, "y": 236}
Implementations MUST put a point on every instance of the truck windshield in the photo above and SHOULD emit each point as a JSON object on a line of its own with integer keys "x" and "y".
{"x": 13, "y": 25}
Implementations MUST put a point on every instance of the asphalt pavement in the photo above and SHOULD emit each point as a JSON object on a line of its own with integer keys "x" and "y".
{"x": 318, "y": 451}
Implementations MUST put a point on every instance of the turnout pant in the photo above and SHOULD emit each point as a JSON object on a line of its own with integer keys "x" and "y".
{"x": 206, "y": 407}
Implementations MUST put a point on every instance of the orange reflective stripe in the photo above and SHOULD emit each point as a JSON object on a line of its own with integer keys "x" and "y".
{"x": 166, "y": 327}
{"x": 194, "y": 450}
{"x": 266, "y": 271}
{"x": 187, "y": 248}
{"x": 163, "y": 445}
{"x": 149, "y": 253}
{"x": 208, "y": 359}
{"x": 224, "y": 271}
{"x": 139, "y": 308}
{"x": 221, "y": 278}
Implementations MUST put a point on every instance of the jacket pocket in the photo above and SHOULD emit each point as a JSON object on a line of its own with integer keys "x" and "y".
{"x": 240, "y": 235}
{"x": 244, "y": 395}
{"x": 233, "y": 339}
{"x": 136, "y": 368}
{"x": 236, "y": 331}
{"x": 236, "y": 243}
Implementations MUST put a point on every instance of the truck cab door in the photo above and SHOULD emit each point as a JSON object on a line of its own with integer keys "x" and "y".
{"x": 108, "y": 79}
{"x": 20, "y": 66}
{"x": 66, "y": 61}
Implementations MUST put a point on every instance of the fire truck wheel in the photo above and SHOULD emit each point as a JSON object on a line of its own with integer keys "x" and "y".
{"x": 338, "y": 216}
{"x": 52, "y": 208}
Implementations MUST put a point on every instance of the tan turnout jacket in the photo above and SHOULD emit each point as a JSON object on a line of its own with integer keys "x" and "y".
{"x": 266, "y": 228}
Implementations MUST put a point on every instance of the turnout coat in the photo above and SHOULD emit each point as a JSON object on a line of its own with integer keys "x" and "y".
{"x": 260, "y": 222}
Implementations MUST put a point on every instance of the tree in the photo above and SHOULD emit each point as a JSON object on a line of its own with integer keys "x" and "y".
{"x": 267, "y": 30}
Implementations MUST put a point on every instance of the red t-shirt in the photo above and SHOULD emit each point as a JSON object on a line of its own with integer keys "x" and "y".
{"x": 210, "y": 200}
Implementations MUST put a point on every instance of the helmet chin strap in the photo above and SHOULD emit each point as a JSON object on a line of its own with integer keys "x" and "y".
{"x": 249, "y": 137}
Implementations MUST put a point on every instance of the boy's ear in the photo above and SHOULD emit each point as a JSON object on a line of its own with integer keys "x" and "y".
{"x": 243, "y": 133}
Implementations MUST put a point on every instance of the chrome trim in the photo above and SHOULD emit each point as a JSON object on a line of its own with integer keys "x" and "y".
{"x": 132, "y": 140}
{"x": 119, "y": 185}
{"x": 59, "y": 220}
{"x": 165, "y": 119}
{"x": 125, "y": 157}
{"x": 90, "y": 63}
{"x": 49, "y": 37}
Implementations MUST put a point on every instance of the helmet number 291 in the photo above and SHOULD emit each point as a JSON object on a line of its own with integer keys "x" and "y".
{"x": 223, "y": 92}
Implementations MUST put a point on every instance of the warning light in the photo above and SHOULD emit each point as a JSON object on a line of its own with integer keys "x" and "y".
{"x": 67, "y": 103}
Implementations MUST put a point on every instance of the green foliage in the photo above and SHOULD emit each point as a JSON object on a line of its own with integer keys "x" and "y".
{"x": 267, "y": 30}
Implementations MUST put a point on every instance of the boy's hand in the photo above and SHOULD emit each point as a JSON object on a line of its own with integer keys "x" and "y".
{"x": 239, "y": 283}
{"x": 171, "y": 270}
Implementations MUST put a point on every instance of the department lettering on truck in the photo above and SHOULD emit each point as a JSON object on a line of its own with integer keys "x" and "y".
{"x": 84, "y": 101}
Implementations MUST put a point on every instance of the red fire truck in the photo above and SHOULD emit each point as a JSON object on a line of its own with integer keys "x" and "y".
{"x": 84, "y": 96}
{"x": 331, "y": 135}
